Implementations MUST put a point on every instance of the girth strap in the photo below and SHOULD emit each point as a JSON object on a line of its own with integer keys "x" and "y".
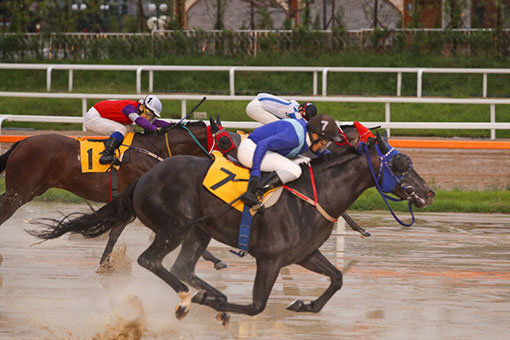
{"x": 310, "y": 201}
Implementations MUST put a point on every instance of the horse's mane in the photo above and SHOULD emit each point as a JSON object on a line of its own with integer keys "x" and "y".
{"x": 188, "y": 124}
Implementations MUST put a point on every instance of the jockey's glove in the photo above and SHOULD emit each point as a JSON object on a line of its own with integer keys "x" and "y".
{"x": 253, "y": 184}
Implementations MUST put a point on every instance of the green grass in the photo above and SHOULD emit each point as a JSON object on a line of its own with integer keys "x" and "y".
{"x": 444, "y": 201}
{"x": 281, "y": 83}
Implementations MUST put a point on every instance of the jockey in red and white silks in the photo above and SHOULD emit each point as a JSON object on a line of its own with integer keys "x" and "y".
{"x": 266, "y": 108}
{"x": 116, "y": 118}
{"x": 271, "y": 148}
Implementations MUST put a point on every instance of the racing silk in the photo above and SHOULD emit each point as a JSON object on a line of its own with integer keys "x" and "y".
{"x": 286, "y": 137}
{"x": 279, "y": 107}
{"x": 125, "y": 112}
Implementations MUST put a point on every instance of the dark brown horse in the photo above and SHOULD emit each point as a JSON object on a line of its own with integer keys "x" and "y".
{"x": 171, "y": 201}
{"x": 40, "y": 162}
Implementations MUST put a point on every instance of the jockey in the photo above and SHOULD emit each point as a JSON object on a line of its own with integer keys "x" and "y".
{"x": 269, "y": 147}
{"x": 266, "y": 108}
{"x": 116, "y": 118}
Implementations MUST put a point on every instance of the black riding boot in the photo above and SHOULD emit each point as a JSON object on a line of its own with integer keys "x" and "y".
{"x": 270, "y": 182}
{"x": 109, "y": 149}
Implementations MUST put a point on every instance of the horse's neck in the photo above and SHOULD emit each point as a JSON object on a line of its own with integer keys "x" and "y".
{"x": 338, "y": 187}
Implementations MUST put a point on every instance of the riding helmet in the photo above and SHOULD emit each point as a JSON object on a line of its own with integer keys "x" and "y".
{"x": 152, "y": 103}
{"x": 307, "y": 110}
{"x": 325, "y": 127}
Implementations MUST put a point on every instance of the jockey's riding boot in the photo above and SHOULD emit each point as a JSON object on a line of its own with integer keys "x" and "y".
{"x": 250, "y": 196}
{"x": 270, "y": 182}
{"x": 109, "y": 149}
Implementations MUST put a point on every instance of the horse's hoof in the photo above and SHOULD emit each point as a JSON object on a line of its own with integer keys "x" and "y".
{"x": 296, "y": 305}
{"x": 220, "y": 265}
{"x": 181, "y": 311}
{"x": 223, "y": 318}
{"x": 199, "y": 297}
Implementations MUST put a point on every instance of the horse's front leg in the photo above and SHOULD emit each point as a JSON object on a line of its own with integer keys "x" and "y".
{"x": 316, "y": 262}
{"x": 113, "y": 237}
{"x": 267, "y": 273}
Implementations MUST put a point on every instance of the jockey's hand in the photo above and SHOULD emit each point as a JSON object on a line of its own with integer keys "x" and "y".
{"x": 160, "y": 131}
{"x": 300, "y": 159}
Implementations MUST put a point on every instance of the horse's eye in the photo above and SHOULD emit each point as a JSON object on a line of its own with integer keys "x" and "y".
{"x": 400, "y": 163}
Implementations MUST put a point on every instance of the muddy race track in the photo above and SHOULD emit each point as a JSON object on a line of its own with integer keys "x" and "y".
{"x": 447, "y": 277}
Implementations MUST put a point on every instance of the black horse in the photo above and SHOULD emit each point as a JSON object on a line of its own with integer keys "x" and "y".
{"x": 171, "y": 200}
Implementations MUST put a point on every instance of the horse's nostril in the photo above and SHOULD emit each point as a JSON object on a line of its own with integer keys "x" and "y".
{"x": 431, "y": 194}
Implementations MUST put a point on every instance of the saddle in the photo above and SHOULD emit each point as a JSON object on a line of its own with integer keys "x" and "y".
{"x": 227, "y": 179}
{"x": 90, "y": 153}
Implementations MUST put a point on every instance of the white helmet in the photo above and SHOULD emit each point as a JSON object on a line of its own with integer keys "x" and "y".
{"x": 152, "y": 103}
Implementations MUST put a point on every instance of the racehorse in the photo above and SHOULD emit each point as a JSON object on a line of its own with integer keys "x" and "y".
{"x": 40, "y": 162}
{"x": 171, "y": 201}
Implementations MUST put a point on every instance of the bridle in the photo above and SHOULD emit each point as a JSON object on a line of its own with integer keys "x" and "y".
{"x": 390, "y": 180}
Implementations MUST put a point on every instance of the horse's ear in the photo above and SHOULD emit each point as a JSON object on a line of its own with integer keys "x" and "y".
{"x": 218, "y": 120}
{"x": 214, "y": 127}
{"x": 381, "y": 142}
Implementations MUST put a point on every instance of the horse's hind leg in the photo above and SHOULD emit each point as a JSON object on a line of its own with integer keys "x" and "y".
{"x": 152, "y": 259}
{"x": 218, "y": 264}
{"x": 267, "y": 273}
{"x": 317, "y": 263}
{"x": 10, "y": 202}
{"x": 192, "y": 247}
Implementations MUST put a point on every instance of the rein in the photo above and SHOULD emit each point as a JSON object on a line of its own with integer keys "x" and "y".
{"x": 383, "y": 162}
{"x": 309, "y": 200}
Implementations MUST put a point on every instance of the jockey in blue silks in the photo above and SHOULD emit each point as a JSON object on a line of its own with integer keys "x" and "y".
{"x": 271, "y": 147}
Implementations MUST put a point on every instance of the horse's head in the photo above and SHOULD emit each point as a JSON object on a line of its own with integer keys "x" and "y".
{"x": 397, "y": 175}
{"x": 218, "y": 138}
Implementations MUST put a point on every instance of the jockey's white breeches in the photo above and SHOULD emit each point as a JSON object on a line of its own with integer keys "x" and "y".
{"x": 285, "y": 168}
{"x": 256, "y": 111}
{"x": 95, "y": 123}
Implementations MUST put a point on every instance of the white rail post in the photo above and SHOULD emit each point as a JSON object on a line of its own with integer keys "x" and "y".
{"x": 231, "y": 76}
{"x": 48, "y": 78}
{"x": 70, "y": 85}
{"x": 314, "y": 83}
{"x": 183, "y": 108}
{"x": 83, "y": 111}
{"x": 139, "y": 80}
{"x": 325, "y": 82}
{"x": 419, "y": 83}
{"x": 399, "y": 84}
{"x": 387, "y": 115}
{"x": 484, "y": 86}
{"x": 151, "y": 81}
{"x": 493, "y": 120}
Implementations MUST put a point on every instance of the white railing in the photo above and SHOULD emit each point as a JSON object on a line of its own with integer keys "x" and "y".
{"x": 315, "y": 70}
{"x": 387, "y": 123}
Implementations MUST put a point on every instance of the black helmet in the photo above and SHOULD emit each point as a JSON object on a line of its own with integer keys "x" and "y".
{"x": 325, "y": 127}
{"x": 307, "y": 110}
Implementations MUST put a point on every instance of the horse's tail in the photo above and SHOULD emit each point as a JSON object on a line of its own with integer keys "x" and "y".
{"x": 5, "y": 156}
{"x": 118, "y": 212}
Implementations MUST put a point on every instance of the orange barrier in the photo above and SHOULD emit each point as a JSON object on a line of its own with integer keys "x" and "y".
{"x": 449, "y": 144}
{"x": 14, "y": 138}
{"x": 398, "y": 143}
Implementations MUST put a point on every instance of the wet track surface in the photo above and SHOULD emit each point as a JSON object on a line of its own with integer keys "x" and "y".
{"x": 447, "y": 277}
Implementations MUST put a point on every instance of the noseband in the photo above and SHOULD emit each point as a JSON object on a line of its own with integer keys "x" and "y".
{"x": 390, "y": 180}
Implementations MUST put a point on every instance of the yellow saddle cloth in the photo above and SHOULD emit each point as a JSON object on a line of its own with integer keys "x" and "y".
{"x": 89, "y": 153}
{"x": 227, "y": 180}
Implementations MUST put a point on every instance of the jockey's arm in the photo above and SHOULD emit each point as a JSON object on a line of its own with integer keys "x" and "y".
{"x": 130, "y": 111}
{"x": 280, "y": 141}
{"x": 160, "y": 123}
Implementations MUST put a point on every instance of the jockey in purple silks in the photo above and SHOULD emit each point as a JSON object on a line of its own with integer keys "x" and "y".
{"x": 116, "y": 118}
